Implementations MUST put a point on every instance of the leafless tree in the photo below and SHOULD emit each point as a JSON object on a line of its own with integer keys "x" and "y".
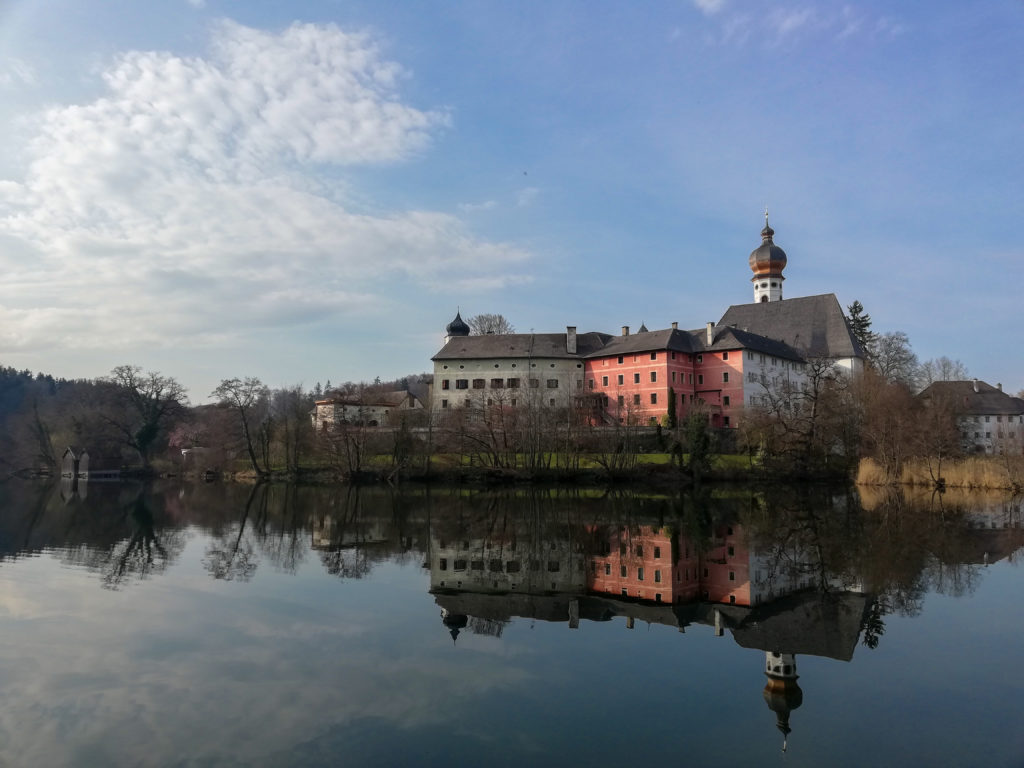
{"x": 482, "y": 324}
{"x": 143, "y": 404}
{"x": 895, "y": 360}
{"x": 248, "y": 399}
{"x": 942, "y": 369}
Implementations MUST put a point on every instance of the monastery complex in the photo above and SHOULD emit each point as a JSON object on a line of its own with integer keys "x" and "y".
{"x": 633, "y": 377}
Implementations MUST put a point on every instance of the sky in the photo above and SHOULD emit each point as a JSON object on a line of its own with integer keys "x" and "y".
{"x": 308, "y": 191}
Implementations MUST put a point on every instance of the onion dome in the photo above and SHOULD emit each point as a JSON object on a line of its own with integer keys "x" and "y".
{"x": 457, "y": 327}
{"x": 767, "y": 258}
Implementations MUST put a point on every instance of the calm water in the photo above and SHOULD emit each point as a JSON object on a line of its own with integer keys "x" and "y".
{"x": 224, "y": 625}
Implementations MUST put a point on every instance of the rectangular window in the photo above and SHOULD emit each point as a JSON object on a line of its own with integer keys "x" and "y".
{"x": 725, "y": 377}
{"x": 725, "y": 401}
{"x": 621, "y": 380}
{"x": 639, "y": 550}
{"x": 607, "y": 569}
{"x": 689, "y": 378}
{"x": 462, "y": 383}
{"x": 552, "y": 383}
{"x": 636, "y": 399}
{"x": 673, "y": 355}
{"x": 444, "y": 403}
{"x": 478, "y": 383}
{"x": 636, "y": 378}
{"x": 700, "y": 358}
{"x": 639, "y": 574}
{"x": 657, "y": 553}
{"x": 622, "y": 401}
{"x": 700, "y": 379}
{"x": 620, "y": 359}
{"x": 443, "y": 564}
{"x": 604, "y": 381}
{"x": 497, "y": 383}
{"x": 725, "y": 421}
{"x": 732, "y": 576}
{"x": 673, "y": 377}
{"x": 750, "y": 355}
{"x": 654, "y": 398}
{"x": 654, "y": 376}
{"x": 591, "y": 383}
{"x": 460, "y": 565}
{"x": 657, "y": 577}
{"x": 554, "y": 566}
{"x": 446, "y": 384}
{"x": 534, "y": 383}
{"x": 725, "y": 355}
{"x": 622, "y": 571}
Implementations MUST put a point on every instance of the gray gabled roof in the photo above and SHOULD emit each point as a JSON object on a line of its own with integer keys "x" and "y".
{"x": 975, "y": 397}
{"x": 647, "y": 341}
{"x": 815, "y": 325}
{"x": 520, "y": 345}
{"x": 729, "y": 338}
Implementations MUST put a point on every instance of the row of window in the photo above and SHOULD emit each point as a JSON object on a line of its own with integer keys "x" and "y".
{"x": 1009, "y": 419}
{"x": 513, "y": 402}
{"x": 621, "y": 379}
{"x": 497, "y": 566}
{"x": 496, "y": 383}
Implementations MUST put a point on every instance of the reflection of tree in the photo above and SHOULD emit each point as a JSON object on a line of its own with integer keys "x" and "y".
{"x": 285, "y": 546}
{"x": 145, "y": 551}
{"x": 232, "y": 556}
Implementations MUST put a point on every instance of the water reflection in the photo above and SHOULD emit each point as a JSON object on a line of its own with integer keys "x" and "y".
{"x": 794, "y": 574}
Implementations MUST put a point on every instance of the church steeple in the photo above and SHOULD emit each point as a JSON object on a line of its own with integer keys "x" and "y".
{"x": 767, "y": 262}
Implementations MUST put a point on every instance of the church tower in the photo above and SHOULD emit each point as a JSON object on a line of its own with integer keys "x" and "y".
{"x": 767, "y": 262}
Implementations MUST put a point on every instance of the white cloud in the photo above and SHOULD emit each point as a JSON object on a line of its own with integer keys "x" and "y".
{"x": 16, "y": 73}
{"x": 783, "y": 25}
{"x": 189, "y": 197}
{"x": 486, "y": 205}
{"x": 709, "y": 7}
{"x": 526, "y": 196}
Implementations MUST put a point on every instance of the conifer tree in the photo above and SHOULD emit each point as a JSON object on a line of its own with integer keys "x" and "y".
{"x": 860, "y": 326}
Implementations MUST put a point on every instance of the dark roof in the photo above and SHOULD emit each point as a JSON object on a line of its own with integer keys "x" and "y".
{"x": 394, "y": 399}
{"x": 734, "y": 338}
{"x": 975, "y": 397}
{"x": 647, "y": 341}
{"x": 457, "y": 327}
{"x": 815, "y": 325}
{"x": 520, "y": 345}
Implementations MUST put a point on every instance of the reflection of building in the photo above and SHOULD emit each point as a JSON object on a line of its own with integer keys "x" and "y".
{"x": 781, "y": 692}
{"x": 633, "y": 377}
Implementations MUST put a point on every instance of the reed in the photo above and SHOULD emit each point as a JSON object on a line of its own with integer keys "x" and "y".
{"x": 974, "y": 472}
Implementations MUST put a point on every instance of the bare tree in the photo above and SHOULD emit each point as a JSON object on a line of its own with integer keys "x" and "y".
{"x": 942, "y": 369}
{"x": 248, "y": 398}
{"x": 895, "y": 360}
{"x": 144, "y": 404}
{"x": 480, "y": 325}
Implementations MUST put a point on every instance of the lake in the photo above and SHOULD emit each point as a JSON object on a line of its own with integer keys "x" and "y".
{"x": 218, "y": 624}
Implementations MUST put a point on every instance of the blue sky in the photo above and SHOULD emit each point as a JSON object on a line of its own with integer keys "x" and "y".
{"x": 306, "y": 191}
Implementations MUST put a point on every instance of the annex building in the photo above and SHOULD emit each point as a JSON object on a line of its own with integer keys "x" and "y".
{"x": 632, "y": 377}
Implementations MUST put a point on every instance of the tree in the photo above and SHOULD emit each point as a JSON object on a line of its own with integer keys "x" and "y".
{"x": 479, "y": 325}
{"x": 895, "y": 360}
{"x": 248, "y": 398}
{"x": 860, "y": 326}
{"x": 144, "y": 404}
{"x": 942, "y": 369}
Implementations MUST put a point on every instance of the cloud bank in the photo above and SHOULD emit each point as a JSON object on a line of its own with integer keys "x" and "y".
{"x": 206, "y": 195}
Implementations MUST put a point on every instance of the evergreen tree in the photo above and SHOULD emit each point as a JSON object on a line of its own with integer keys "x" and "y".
{"x": 860, "y": 326}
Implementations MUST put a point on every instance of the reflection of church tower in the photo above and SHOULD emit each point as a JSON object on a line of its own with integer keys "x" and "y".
{"x": 454, "y": 622}
{"x": 781, "y": 693}
{"x": 767, "y": 262}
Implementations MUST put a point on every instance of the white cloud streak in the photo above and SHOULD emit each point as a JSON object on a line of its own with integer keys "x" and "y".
{"x": 191, "y": 197}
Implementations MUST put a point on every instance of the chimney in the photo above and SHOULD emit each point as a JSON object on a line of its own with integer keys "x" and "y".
{"x": 999, "y": 386}
{"x": 975, "y": 386}
{"x": 570, "y": 339}
{"x": 625, "y": 330}
{"x": 711, "y": 334}
{"x": 675, "y": 326}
